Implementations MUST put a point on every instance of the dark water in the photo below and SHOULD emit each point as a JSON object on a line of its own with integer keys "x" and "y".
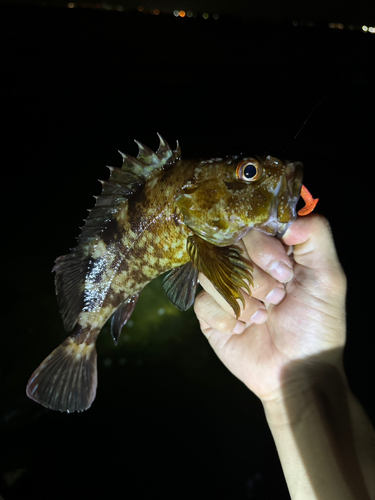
{"x": 78, "y": 85}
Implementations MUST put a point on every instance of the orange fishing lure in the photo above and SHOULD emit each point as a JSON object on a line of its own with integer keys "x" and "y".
{"x": 310, "y": 203}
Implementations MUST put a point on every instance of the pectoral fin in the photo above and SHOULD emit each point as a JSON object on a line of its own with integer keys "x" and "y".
{"x": 180, "y": 285}
{"x": 225, "y": 267}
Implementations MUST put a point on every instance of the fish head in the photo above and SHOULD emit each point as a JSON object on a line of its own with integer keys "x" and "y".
{"x": 228, "y": 197}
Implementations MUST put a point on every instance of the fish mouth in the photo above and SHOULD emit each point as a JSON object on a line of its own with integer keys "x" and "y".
{"x": 294, "y": 176}
{"x": 287, "y": 210}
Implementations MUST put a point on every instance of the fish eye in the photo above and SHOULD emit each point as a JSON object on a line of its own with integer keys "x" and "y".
{"x": 249, "y": 170}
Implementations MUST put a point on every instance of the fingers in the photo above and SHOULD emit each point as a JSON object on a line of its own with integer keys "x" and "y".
{"x": 315, "y": 267}
{"x": 271, "y": 268}
{"x": 269, "y": 254}
{"x": 219, "y": 314}
{"x": 212, "y": 316}
{"x": 315, "y": 252}
{"x": 313, "y": 242}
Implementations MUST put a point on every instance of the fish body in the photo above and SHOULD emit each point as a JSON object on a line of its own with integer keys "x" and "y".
{"x": 158, "y": 213}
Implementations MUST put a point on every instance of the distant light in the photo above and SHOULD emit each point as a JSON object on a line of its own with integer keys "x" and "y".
{"x": 364, "y": 28}
{"x": 182, "y": 13}
{"x": 371, "y": 29}
{"x": 189, "y": 13}
{"x": 216, "y": 16}
{"x": 176, "y": 13}
{"x": 295, "y": 23}
{"x": 310, "y": 24}
{"x": 71, "y": 5}
{"x": 338, "y": 26}
{"x": 156, "y": 12}
{"x": 120, "y": 8}
{"x": 205, "y": 15}
{"x": 140, "y": 8}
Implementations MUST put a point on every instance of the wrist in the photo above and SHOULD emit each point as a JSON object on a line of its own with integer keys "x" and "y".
{"x": 304, "y": 389}
{"x": 324, "y": 440}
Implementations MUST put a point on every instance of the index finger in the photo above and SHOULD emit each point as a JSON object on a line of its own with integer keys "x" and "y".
{"x": 269, "y": 254}
{"x": 316, "y": 262}
{"x": 313, "y": 243}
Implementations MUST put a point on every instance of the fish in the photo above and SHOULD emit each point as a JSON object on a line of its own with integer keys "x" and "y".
{"x": 157, "y": 214}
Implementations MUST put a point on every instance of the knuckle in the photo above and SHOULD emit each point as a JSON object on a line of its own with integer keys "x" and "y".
{"x": 200, "y": 304}
{"x": 208, "y": 310}
{"x": 222, "y": 324}
{"x": 320, "y": 220}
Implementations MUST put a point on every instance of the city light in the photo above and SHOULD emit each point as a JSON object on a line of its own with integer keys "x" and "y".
{"x": 338, "y": 26}
{"x": 206, "y": 15}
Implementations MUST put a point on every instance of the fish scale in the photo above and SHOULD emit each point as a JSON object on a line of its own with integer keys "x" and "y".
{"x": 159, "y": 213}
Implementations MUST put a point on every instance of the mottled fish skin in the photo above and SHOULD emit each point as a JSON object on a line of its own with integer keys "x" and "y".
{"x": 158, "y": 213}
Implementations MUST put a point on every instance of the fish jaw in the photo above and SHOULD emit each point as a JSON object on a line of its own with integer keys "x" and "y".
{"x": 283, "y": 211}
{"x": 286, "y": 210}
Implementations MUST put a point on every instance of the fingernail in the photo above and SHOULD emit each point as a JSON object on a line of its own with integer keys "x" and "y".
{"x": 275, "y": 296}
{"x": 259, "y": 317}
{"x": 281, "y": 272}
{"x": 239, "y": 328}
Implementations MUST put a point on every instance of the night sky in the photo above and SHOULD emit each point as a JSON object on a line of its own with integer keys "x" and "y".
{"x": 79, "y": 84}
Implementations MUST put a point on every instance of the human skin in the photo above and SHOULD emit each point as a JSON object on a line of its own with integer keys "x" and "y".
{"x": 287, "y": 348}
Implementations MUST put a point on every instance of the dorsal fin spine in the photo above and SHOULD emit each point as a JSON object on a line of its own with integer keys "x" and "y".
{"x": 146, "y": 155}
{"x": 143, "y": 166}
{"x": 164, "y": 152}
{"x": 177, "y": 152}
{"x": 131, "y": 164}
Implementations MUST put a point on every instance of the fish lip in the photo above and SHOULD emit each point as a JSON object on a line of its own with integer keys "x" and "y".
{"x": 294, "y": 179}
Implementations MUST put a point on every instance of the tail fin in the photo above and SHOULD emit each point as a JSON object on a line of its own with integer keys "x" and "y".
{"x": 67, "y": 378}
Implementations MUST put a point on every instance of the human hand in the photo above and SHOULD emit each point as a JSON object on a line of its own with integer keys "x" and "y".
{"x": 303, "y": 318}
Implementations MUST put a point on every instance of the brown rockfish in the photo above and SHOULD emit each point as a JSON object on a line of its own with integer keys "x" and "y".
{"x": 158, "y": 213}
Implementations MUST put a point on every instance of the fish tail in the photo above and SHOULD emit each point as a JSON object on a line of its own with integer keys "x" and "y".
{"x": 67, "y": 378}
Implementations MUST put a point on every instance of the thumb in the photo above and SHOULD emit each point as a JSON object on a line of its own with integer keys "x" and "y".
{"x": 314, "y": 249}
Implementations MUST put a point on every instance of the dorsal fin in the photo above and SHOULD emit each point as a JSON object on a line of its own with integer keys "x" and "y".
{"x": 148, "y": 162}
{"x": 71, "y": 269}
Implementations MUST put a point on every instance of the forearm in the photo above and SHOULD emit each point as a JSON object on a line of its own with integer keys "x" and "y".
{"x": 325, "y": 442}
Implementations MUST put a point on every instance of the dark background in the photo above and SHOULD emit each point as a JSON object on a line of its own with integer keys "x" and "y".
{"x": 77, "y": 85}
